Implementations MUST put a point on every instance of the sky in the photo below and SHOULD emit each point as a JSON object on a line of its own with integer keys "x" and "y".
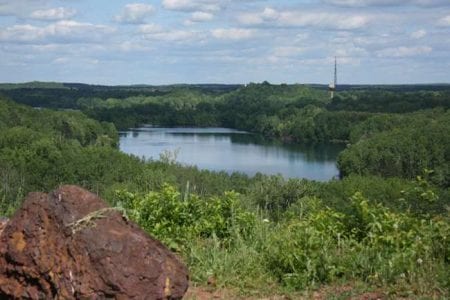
{"x": 225, "y": 41}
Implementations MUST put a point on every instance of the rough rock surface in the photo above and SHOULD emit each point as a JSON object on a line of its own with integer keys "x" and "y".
{"x": 69, "y": 245}
{"x": 3, "y": 222}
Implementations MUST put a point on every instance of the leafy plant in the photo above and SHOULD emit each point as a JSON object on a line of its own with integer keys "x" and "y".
{"x": 177, "y": 220}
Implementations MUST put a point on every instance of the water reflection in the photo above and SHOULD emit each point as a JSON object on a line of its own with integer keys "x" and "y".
{"x": 231, "y": 150}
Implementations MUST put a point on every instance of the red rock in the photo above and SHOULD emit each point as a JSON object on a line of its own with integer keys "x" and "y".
{"x": 70, "y": 245}
{"x": 3, "y": 222}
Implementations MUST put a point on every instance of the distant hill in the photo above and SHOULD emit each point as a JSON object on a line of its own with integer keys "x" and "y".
{"x": 388, "y": 87}
{"x": 32, "y": 85}
{"x": 66, "y": 94}
{"x": 215, "y": 87}
{"x": 369, "y": 98}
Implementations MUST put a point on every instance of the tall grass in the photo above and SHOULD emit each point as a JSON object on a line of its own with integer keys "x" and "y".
{"x": 311, "y": 246}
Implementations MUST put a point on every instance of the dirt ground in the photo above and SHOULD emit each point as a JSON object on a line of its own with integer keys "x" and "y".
{"x": 343, "y": 292}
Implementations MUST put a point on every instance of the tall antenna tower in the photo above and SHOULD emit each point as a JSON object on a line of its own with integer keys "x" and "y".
{"x": 332, "y": 86}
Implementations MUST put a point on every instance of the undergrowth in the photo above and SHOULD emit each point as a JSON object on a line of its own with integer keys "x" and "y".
{"x": 310, "y": 245}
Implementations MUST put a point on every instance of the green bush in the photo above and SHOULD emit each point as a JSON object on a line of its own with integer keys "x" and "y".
{"x": 374, "y": 245}
{"x": 177, "y": 219}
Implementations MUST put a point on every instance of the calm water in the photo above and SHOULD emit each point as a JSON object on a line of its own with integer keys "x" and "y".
{"x": 222, "y": 149}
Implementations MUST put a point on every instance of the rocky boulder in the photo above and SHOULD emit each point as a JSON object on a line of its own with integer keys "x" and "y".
{"x": 69, "y": 244}
{"x": 3, "y": 222}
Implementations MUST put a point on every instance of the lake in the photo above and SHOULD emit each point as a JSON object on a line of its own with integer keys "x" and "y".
{"x": 222, "y": 149}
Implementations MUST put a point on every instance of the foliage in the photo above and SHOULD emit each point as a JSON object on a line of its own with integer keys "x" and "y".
{"x": 405, "y": 151}
{"x": 31, "y": 85}
{"x": 176, "y": 219}
{"x": 374, "y": 245}
{"x": 40, "y": 149}
{"x": 310, "y": 246}
{"x": 381, "y": 224}
{"x": 392, "y": 101}
{"x": 274, "y": 195}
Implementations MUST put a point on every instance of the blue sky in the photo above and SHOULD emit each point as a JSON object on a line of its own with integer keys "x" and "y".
{"x": 224, "y": 41}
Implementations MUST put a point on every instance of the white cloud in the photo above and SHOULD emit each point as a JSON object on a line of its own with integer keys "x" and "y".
{"x": 135, "y": 13}
{"x": 326, "y": 20}
{"x": 175, "y": 36}
{"x": 258, "y": 39}
{"x": 399, "y": 52}
{"x": 133, "y": 46}
{"x": 200, "y": 16}
{"x": 232, "y": 33}
{"x": 21, "y": 33}
{"x": 363, "y": 3}
{"x": 194, "y": 5}
{"x": 75, "y": 60}
{"x": 47, "y": 48}
{"x": 349, "y": 51}
{"x": 156, "y": 32}
{"x": 61, "y": 60}
{"x": 419, "y": 34}
{"x": 150, "y": 29}
{"x": 300, "y": 37}
{"x": 445, "y": 21}
{"x": 19, "y": 7}
{"x": 59, "y": 32}
{"x": 288, "y": 51}
{"x": 257, "y": 18}
{"x": 53, "y": 14}
{"x": 178, "y": 36}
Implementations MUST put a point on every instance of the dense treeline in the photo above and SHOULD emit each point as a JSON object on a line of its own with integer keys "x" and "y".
{"x": 401, "y": 146}
{"x": 382, "y": 142}
{"x": 72, "y": 125}
{"x": 264, "y": 108}
{"x": 292, "y": 113}
{"x": 383, "y": 139}
{"x": 66, "y": 95}
{"x": 40, "y": 148}
{"x": 384, "y": 224}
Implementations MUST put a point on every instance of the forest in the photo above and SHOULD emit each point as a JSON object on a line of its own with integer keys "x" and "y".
{"x": 384, "y": 225}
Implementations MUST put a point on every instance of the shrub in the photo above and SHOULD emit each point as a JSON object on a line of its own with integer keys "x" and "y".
{"x": 373, "y": 244}
{"x": 176, "y": 220}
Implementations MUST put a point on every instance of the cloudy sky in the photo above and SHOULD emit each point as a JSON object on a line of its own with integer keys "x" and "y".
{"x": 224, "y": 41}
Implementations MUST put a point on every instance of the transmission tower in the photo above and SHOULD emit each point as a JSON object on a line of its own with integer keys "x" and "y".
{"x": 332, "y": 86}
